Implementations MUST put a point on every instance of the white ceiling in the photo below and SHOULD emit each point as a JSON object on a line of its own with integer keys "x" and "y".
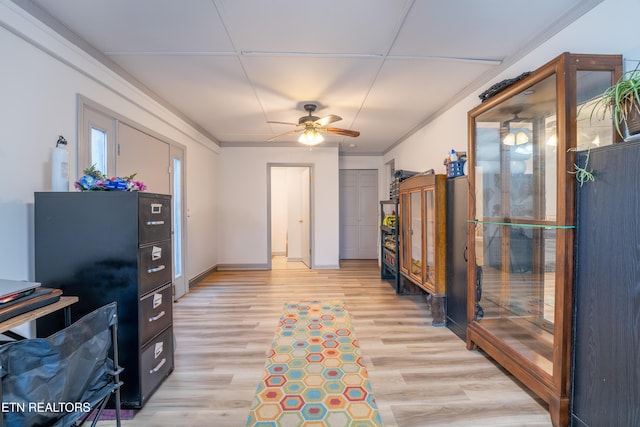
{"x": 385, "y": 66}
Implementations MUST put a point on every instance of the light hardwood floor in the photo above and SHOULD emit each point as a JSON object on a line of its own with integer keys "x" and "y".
{"x": 421, "y": 375}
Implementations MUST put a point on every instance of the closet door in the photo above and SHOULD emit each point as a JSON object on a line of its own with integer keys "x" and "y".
{"x": 358, "y": 214}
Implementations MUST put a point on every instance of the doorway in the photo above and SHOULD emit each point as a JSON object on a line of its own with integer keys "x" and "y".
{"x": 289, "y": 216}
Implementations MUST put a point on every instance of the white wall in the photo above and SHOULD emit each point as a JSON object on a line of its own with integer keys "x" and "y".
{"x": 294, "y": 204}
{"x": 598, "y": 31}
{"x": 242, "y": 203}
{"x": 279, "y": 211}
{"x": 40, "y": 77}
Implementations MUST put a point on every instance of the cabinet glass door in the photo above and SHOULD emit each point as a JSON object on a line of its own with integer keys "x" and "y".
{"x": 430, "y": 235}
{"x": 516, "y": 180}
{"x": 405, "y": 232}
{"x": 416, "y": 236}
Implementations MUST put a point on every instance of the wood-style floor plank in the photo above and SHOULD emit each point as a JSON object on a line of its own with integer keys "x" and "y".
{"x": 421, "y": 375}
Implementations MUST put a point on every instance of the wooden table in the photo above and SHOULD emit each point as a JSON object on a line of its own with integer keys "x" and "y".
{"x": 64, "y": 303}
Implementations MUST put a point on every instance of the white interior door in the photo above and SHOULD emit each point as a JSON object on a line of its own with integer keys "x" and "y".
{"x": 358, "y": 214}
{"x": 348, "y": 214}
{"x": 368, "y": 211}
{"x": 144, "y": 155}
{"x": 161, "y": 167}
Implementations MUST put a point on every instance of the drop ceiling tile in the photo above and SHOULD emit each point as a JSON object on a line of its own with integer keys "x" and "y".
{"x": 490, "y": 29}
{"x": 330, "y": 26}
{"x": 419, "y": 89}
{"x": 212, "y": 90}
{"x": 143, "y": 25}
{"x": 283, "y": 84}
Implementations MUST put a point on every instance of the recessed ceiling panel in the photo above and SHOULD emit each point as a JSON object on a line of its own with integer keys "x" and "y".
{"x": 331, "y": 26}
{"x": 211, "y": 90}
{"x": 283, "y": 84}
{"x": 143, "y": 25}
{"x": 490, "y": 29}
{"x": 420, "y": 88}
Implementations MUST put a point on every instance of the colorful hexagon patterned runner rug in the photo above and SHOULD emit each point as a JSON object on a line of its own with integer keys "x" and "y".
{"x": 314, "y": 375}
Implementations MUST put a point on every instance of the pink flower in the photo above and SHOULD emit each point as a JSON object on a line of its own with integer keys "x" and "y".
{"x": 137, "y": 186}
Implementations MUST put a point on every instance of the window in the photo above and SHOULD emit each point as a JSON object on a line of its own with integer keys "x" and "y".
{"x": 177, "y": 217}
{"x": 98, "y": 140}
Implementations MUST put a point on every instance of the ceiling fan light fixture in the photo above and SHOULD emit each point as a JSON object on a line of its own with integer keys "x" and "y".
{"x": 509, "y": 139}
{"x": 310, "y": 137}
{"x": 521, "y": 138}
{"x": 515, "y": 138}
{"x": 310, "y": 126}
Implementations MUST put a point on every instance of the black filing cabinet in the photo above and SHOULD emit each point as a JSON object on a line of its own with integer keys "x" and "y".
{"x": 606, "y": 338}
{"x": 457, "y": 230}
{"x": 113, "y": 246}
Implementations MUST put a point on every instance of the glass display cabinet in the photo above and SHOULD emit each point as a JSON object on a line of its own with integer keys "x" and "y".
{"x": 389, "y": 251}
{"x": 522, "y": 210}
{"x": 423, "y": 238}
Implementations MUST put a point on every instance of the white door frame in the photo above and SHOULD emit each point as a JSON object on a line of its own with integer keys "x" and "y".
{"x": 311, "y": 197}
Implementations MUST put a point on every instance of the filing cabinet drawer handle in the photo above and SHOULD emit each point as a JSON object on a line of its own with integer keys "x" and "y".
{"x": 154, "y": 318}
{"x": 160, "y": 365}
{"x": 156, "y": 269}
{"x": 155, "y": 222}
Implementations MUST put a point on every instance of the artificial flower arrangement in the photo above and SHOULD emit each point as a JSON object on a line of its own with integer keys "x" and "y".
{"x": 94, "y": 180}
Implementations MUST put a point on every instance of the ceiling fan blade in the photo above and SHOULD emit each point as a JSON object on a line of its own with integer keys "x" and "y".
{"x": 345, "y": 132}
{"x": 323, "y": 121}
{"x": 282, "y": 123}
{"x": 273, "y": 138}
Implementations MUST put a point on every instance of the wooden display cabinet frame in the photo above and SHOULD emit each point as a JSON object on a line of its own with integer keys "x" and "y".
{"x": 434, "y": 283}
{"x": 553, "y": 388}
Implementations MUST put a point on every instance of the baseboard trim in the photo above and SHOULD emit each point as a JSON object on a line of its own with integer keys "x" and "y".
{"x": 327, "y": 267}
{"x": 197, "y": 279}
{"x": 227, "y": 267}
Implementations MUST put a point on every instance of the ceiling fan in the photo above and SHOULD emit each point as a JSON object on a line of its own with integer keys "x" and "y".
{"x": 312, "y": 126}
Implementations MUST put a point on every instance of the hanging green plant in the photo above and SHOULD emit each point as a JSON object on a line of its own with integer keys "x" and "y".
{"x": 582, "y": 174}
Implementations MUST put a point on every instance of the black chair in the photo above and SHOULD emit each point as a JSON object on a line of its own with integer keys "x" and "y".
{"x": 63, "y": 379}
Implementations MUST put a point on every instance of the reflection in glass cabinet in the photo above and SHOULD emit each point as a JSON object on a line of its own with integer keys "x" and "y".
{"x": 521, "y": 233}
